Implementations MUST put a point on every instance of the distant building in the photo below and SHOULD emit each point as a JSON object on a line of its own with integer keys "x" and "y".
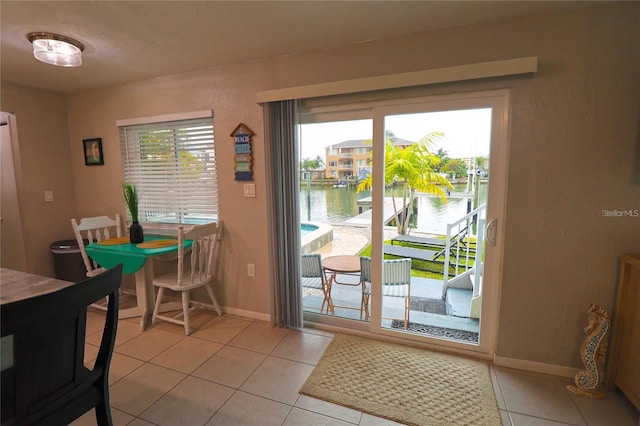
{"x": 312, "y": 174}
{"x": 352, "y": 158}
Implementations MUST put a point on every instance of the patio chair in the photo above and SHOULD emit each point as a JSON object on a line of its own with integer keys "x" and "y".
{"x": 396, "y": 282}
{"x": 199, "y": 272}
{"x": 313, "y": 277}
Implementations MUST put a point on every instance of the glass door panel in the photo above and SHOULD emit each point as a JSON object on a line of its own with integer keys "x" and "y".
{"x": 437, "y": 161}
{"x": 433, "y": 209}
{"x": 335, "y": 215}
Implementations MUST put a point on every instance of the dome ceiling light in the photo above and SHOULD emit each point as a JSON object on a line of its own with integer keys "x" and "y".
{"x": 56, "y": 49}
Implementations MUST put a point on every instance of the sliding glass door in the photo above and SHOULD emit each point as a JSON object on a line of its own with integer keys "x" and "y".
{"x": 413, "y": 191}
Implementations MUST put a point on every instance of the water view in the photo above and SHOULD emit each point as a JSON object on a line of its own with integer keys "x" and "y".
{"x": 335, "y": 205}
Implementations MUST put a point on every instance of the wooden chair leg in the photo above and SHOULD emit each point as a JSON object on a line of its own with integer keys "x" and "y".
{"x": 103, "y": 415}
{"x": 326, "y": 300}
{"x": 102, "y": 409}
{"x": 156, "y": 308}
{"x": 185, "y": 310}
{"x": 213, "y": 299}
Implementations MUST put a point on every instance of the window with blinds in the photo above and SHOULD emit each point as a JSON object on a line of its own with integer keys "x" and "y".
{"x": 172, "y": 164}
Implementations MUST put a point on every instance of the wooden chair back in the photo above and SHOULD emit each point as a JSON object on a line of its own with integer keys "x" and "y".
{"x": 95, "y": 229}
{"x": 46, "y": 382}
{"x": 201, "y": 268}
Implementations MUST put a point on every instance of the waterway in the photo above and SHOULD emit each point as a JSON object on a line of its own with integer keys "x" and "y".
{"x": 335, "y": 205}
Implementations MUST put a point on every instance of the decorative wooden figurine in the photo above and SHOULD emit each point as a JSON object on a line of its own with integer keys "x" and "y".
{"x": 592, "y": 351}
{"x": 242, "y": 139}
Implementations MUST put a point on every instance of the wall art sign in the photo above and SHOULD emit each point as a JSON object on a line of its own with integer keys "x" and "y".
{"x": 242, "y": 144}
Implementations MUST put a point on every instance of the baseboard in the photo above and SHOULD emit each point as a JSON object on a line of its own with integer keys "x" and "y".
{"x": 233, "y": 311}
{"x": 534, "y": 366}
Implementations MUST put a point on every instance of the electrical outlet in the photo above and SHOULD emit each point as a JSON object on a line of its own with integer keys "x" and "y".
{"x": 251, "y": 270}
{"x": 48, "y": 196}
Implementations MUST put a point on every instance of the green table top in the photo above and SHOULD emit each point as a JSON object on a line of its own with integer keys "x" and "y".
{"x": 131, "y": 257}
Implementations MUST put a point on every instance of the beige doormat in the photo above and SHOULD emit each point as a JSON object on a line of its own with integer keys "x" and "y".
{"x": 404, "y": 384}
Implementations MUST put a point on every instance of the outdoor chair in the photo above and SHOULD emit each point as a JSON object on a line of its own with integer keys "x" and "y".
{"x": 396, "y": 282}
{"x": 44, "y": 379}
{"x": 198, "y": 272}
{"x": 313, "y": 277}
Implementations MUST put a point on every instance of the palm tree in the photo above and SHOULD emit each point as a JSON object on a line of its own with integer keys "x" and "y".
{"x": 413, "y": 167}
{"x": 308, "y": 164}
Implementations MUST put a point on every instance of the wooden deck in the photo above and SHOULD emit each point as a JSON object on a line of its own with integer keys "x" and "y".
{"x": 414, "y": 253}
{"x": 364, "y": 218}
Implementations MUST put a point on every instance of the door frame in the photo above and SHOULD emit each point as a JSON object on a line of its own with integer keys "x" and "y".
{"x": 14, "y": 254}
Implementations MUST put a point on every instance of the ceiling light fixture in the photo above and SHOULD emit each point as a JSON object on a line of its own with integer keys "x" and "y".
{"x": 56, "y": 49}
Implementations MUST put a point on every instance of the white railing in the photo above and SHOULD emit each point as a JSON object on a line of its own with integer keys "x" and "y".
{"x": 458, "y": 251}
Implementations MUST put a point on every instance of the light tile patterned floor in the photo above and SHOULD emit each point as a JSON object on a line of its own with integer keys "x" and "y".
{"x": 234, "y": 371}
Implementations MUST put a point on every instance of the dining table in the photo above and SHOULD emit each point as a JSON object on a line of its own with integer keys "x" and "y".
{"x": 18, "y": 285}
{"x": 137, "y": 259}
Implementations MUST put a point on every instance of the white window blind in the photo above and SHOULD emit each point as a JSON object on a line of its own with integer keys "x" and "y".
{"x": 173, "y": 166}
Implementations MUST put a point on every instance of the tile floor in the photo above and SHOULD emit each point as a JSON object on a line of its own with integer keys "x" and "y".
{"x": 234, "y": 371}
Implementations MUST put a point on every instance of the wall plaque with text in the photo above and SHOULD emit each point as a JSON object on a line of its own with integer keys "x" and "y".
{"x": 242, "y": 147}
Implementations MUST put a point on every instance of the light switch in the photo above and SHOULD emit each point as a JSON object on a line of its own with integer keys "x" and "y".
{"x": 249, "y": 190}
{"x": 48, "y": 196}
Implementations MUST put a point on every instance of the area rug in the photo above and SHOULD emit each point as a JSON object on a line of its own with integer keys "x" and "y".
{"x": 404, "y": 384}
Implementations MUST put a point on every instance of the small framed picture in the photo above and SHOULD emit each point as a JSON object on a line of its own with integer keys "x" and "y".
{"x": 93, "y": 152}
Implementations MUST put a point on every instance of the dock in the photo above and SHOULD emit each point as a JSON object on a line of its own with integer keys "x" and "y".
{"x": 364, "y": 218}
{"x": 448, "y": 195}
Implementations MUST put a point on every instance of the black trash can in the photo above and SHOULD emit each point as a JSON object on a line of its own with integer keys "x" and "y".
{"x": 67, "y": 260}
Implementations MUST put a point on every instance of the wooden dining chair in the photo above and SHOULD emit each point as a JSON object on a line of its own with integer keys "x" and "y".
{"x": 93, "y": 230}
{"x": 198, "y": 272}
{"x": 44, "y": 379}
{"x": 396, "y": 282}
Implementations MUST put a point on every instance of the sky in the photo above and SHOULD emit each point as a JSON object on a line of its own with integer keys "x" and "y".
{"x": 466, "y": 132}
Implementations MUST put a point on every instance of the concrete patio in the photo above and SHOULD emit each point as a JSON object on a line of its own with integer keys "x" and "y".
{"x": 348, "y": 298}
